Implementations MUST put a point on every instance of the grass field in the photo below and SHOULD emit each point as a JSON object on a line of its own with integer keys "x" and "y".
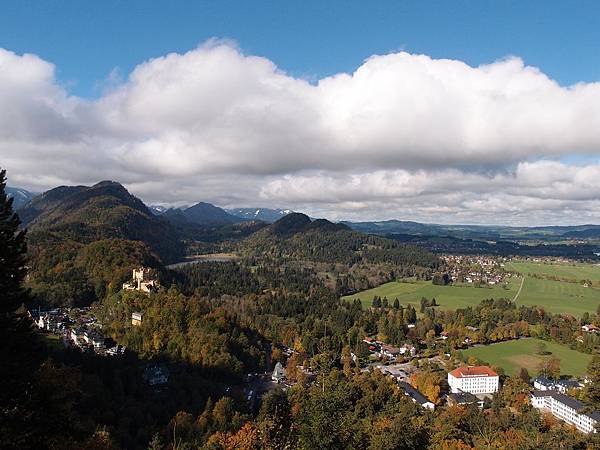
{"x": 573, "y": 271}
{"x": 448, "y": 297}
{"x": 512, "y": 355}
{"x": 559, "y": 297}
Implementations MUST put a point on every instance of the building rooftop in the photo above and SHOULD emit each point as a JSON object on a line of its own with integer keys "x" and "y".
{"x": 568, "y": 383}
{"x": 461, "y": 398}
{"x": 571, "y": 402}
{"x": 413, "y": 393}
{"x": 543, "y": 380}
{"x": 473, "y": 371}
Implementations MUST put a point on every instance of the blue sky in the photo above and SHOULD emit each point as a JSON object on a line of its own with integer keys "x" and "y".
{"x": 310, "y": 39}
{"x": 437, "y": 111}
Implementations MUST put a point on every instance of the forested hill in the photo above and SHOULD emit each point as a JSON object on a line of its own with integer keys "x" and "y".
{"x": 103, "y": 211}
{"x": 296, "y": 236}
{"x": 84, "y": 241}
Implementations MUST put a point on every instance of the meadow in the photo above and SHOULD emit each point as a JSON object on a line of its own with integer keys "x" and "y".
{"x": 512, "y": 355}
{"x": 558, "y": 297}
{"x": 573, "y": 271}
{"x": 447, "y": 297}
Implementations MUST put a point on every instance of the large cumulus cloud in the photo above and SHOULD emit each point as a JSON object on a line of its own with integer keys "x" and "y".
{"x": 403, "y": 136}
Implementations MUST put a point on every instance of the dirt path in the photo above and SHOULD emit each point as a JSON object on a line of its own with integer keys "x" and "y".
{"x": 519, "y": 291}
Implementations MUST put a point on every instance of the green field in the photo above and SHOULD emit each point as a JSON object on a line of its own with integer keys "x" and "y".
{"x": 512, "y": 355}
{"x": 573, "y": 271}
{"x": 448, "y": 297}
{"x": 559, "y": 297}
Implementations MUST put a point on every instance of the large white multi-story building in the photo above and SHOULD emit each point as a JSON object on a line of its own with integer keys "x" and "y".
{"x": 566, "y": 408}
{"x": 473, "y": 379}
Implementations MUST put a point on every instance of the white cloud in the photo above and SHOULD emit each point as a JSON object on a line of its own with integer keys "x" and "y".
{"x": 403, "y": 136}
{"x": 535, "y": 193}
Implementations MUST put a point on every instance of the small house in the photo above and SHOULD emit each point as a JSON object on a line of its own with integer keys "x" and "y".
{"x": 136, "y": 318}
{"x": 463, "y": 398}
{"x": 589, "y": 328}
{"x": 408, "y": 350}
{"x": 278, "y": 374}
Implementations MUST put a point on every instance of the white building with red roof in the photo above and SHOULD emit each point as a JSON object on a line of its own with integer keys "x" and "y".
{"x": 474, "y": 380}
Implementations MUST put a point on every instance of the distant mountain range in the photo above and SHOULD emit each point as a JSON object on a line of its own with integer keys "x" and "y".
{"x": 265, "y": 214}
{"x": 204, "y": 214}
{"x": 20, "y": 196}
{"x": 479, "y": 232}
{"x": 75, "y": 230}
{"x": 157, "y": 209}
{"x": 208, "y": 215}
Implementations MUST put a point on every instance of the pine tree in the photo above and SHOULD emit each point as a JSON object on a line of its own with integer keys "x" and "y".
{"x": 376, "y": 302}
{"x": 18, "y": 346}
{"x": 12, "y": 253}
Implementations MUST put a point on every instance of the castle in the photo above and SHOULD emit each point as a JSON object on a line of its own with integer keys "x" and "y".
{"x": 144, "y": 280}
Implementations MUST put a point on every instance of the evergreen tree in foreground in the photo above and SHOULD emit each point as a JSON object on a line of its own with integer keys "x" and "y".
{"x": 12, "y": 254}
{"x": 17, "y": 343}
{"x": 36, "y": 397}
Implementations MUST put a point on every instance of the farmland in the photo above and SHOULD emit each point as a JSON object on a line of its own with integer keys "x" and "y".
{"x": 559, "y": 296}
{"x": 571, "y": 271}
{"x": 512, "y": 355}
{"x": 447, "y": 297}
{"x": 564, "y": 294}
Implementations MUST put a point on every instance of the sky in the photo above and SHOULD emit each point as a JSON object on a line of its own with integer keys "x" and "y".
{"x": 449, "y": 112}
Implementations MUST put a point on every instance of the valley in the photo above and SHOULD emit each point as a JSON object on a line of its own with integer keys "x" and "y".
{"x": 274, "y": 225}
{"x": 225, "y": 318}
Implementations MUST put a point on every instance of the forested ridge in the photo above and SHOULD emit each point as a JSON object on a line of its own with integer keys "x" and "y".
{"x": 296, "y": 236}
{"x": 103, "y": 211}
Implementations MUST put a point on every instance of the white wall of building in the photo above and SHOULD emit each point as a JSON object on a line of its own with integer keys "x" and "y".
{"x": 474, "y": 384}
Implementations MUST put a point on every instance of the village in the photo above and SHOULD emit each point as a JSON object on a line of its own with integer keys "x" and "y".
{"x": 78, "y": 327}
{"x": 476, "y": 269}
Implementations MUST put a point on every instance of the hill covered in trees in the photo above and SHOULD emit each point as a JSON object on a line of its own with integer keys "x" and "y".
{"x": 84, "y": 241}
{"x": 296, "y": 236}
{"x": 105, "y": 210}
